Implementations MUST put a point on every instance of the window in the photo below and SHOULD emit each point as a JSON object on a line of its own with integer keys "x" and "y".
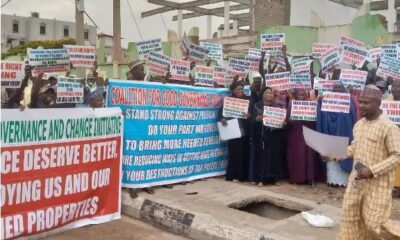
{"x": 86, "y": 34}
{"x": 66, "y": 31}
{"x": 42, "y": 29}
{"x": 15, "y": 26}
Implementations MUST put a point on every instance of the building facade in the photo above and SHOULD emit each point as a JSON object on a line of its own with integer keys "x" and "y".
{"x": 16, "y": 30}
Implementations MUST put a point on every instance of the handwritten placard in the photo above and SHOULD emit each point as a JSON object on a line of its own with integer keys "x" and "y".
{"x": 278, "y": 81}
{"x": 180, "y": 70}
{"x": 391, "y": 109}
{"x": 204, "y": 76}
{"x": 304, "y": 110}
{"x": 235, "y": 107}
{"x": 148, "y": 46}
{"x": 274, "y": 117}
{"x": 336, "y": 102}
{"x": 354, "y": 78}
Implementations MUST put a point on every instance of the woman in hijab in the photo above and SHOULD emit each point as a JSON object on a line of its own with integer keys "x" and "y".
{"x": 239, "y": 148}
{"x": 337, "y": 124}
{"x": 269, "y": 143}
{"x": 303, "y": 166}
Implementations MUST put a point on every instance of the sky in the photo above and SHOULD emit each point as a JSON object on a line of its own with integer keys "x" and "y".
{"x": 153, "y": 27}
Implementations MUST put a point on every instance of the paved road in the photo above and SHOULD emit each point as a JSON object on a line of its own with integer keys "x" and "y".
{"x": 125, "y": 228}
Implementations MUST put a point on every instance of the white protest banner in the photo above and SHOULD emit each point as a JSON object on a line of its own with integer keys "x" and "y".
{"x": 389, "y": 67}
{"x": 319, "y": 48}
{"x": 374, "y": 54}
{"x": 204, "y": 76}
{"x": 274, "y": 117}
{"x": 391, "y": 109}
{"x": 158, "y": 64}
{"x": 12, "y": 73}
{"x": 180, "y": 70}
{"x": 346, "y": 40}
{"x": 278, "y": 81}
{"x": 354, "y": 78}
{"x": 301, "y": 65}
{"x": 303, "y": 110}
{"x": 336, "y": 102}
{"x": 330, "y": 58}
{"x": 69, "y": 90}
{"x": 300, "y": 81}
{"x": 354, "y": 55}
{"x": 198, "y": 53}
{"x": 239, "y": 65}
{"x": 323, "y": 85}
{"x": 254, "y": 63}
{"x": 272, "y": 43}
{"x": 214, "y": 51}
{"x": 219, "y": 76}
{"x": 235, "y": 108}
{"x": 49, "y": 60}
{"x": 81, "y": 56}
{"x": 61, "y": 169}
{"x": 389, "y": 51}
{"x": 148, "y": 46}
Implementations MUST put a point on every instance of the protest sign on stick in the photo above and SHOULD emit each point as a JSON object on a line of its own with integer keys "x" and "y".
{"x": 274, "y": 117}
{"x": 148, "y": 46}
{"x": 61, "y": 169}
{"x": 69, "y": 90}
{"x": 391, "y": 109}
{"x": 81, "y": 56}
{"x": 235, "y": 108}
{"x": 12, "y": 73}
{"x": 303, "y": 110}
{"x": 336, "y": 102}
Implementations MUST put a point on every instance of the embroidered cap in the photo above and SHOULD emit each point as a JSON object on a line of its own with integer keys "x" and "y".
{"x": 372, "y": 91}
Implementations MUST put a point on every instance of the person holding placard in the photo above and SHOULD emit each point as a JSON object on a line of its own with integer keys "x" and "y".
{"x": 269, "y": 143}
{"x": 337, "y": 124}
{"x": 301, "y": 159}
{"x": 238, "y": 149}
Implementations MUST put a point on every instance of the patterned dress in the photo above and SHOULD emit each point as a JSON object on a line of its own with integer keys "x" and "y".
{"x": 367, "y": 203}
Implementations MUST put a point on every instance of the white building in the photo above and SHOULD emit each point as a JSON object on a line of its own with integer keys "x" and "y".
{"x": 16, "y": 30}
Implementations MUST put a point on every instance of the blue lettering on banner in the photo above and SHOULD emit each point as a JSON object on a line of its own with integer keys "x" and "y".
{"x": 170, "y": 132}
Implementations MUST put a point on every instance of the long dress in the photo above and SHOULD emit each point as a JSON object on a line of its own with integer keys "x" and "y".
{"x": 303, "y": 165}
{"x": 337, "y": 124}
{"x": 238, "y": 153}
{"x": 269, "y": 149}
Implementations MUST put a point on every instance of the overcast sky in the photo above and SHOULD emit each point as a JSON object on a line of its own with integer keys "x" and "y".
{"x": 153, "y": 27}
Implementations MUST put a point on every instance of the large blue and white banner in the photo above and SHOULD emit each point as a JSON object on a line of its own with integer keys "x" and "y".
{"x": 170, "y": 132}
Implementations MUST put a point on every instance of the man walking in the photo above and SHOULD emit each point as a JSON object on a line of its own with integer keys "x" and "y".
{"x": 376, "y": 152}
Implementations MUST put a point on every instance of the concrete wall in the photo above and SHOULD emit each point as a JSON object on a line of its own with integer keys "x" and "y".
{"x": 370, "y": 30}
{"x": 271, "y": 12}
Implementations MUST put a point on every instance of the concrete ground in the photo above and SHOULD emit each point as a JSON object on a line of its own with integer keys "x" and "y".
{"x": 124, "y": 229}
{"x": 209, "y": 210}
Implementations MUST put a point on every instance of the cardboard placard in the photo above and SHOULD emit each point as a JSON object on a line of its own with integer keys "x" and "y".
{"x": 272, "y": 43}
{"x": 198, "y": 53}
{"x": 49, "y": 60}
{"x": 278, "y": 81}
{"x": 180, "y": 70}
{"x": 274, "y": 117}
{"x": 300, "y": 81}
{"x": 336, "y": 102}
{"x": 301, "y": 65}
{"x": 235, "y": 108}
{"x": 389, "y": 51}
{"x": 239, "y": 65}
{"x": 219, "y": 76}
{"x": 389, "y": 67}
{"x": 374, "y": 54}
{"x": 214, "y": 51}
{"x": 319, "y": 48}
{"x": 12, "y": 73}
{"x": 391, "y": 109}
{"x": 330, "y": 58}
{"x": 69, "y": 90}
{"x": 346, "y": 40}
{"x": 158, "y": 64}
{"x": 148, "y": 46}
{"x": 354, "y": 55}
{"x": 354, "y": 78}
{"x": 323, "y": 85}
{"x": 204, "y": 76}
{"x": 303, "y": 110}
{"x": 81, "y": 56}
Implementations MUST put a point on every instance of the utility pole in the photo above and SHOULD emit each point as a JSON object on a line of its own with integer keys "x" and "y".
{"x": 117, "y": 53}
{"x": 80, "y": 28}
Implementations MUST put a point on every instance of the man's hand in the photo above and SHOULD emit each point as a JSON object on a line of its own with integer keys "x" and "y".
{"x": 364, "y": 173}
{"x": 259, "y": 117}
{"x": 224, "y": 122}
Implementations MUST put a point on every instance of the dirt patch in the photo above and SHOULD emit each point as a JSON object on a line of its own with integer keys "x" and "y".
{"x": 321, "y": 193}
